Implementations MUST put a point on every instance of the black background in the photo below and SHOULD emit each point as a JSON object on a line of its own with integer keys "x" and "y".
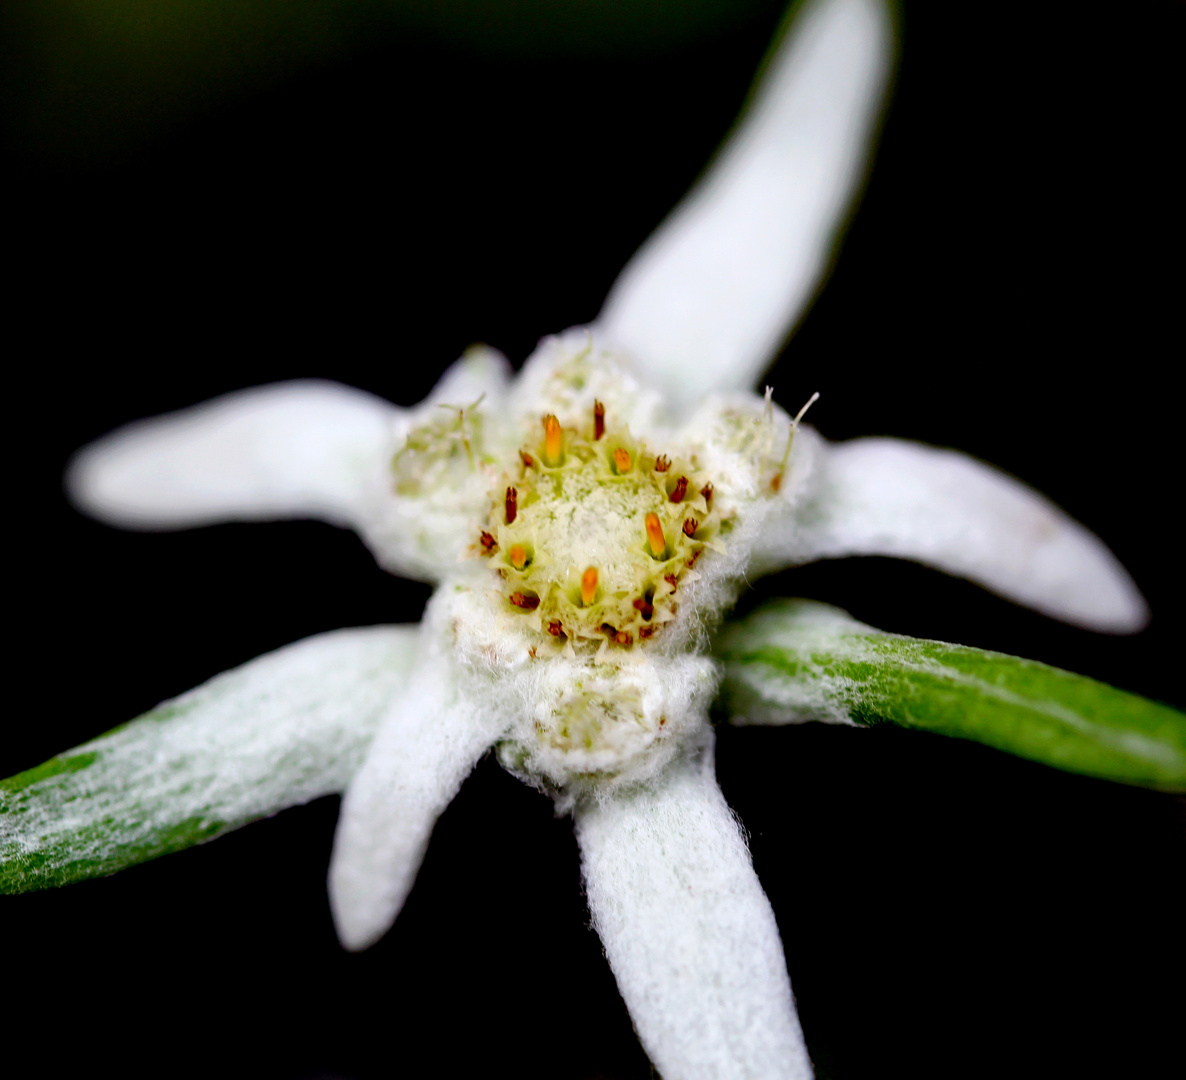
{"x": 1010, "y": 286}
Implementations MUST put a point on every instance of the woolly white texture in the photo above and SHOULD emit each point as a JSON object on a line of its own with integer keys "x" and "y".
{"x": 741, "y": 441}
{"x": 570, "y": 724}
{"x": 688, "y": 931}
{"x": 551, "y": 382}
{"x": 430, "y": 739}
{"x": 708, "y": 298}
{"x": 886, "y": 497}
{"x": 798, "y": 660}
{"x": 299, "y": 449}
{"x": 421, "y": 510}
{"x": 281, "y": 730}
{"x": 293, "y": 450}
{"x": 756, "y": 693}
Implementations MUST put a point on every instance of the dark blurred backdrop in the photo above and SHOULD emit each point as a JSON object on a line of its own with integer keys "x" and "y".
{"x": 203, "y": 197}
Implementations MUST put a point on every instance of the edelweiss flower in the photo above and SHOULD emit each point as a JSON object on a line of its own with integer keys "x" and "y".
{"x": 587, "y": 524}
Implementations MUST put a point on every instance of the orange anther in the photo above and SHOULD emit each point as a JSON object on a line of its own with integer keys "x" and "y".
{"x": 622, "y": 460}
{"x": 553, "y": 444}
{"x": 680, "y": 490}
{"x": 512, "y": 505}
{"x": 655, "y": 539}
{"x": 518, "y": 556}
{"x": 589, "y": 585}
{"x": 598, "y": 420}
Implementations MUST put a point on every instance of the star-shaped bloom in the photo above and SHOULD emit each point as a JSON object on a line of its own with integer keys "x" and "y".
{"x": 587, "y": 524}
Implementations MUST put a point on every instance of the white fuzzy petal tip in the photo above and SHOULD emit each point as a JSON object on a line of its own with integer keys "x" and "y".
{"x": 710, "y": 296}
{"x": 428, "y": 744}
{"x": 942, "y": 508}
{"x": 688, "y": 931}
{"x": 301, "y": 449}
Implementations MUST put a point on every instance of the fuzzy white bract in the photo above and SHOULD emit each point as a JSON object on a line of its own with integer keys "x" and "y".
{"x": 587, "y": 524}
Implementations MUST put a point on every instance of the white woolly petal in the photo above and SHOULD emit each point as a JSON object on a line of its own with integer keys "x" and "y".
{"x": 707, "y": 300}
{"x": 298, "y": 449}
{"x": 278, "y": 731}
{"x": 428, "y": 744}
{"x": 887, "y": 497}
{"x": 688, "y": 931}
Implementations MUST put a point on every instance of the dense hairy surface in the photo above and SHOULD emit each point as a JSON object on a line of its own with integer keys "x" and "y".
{"x": 688, "y": 930}
{"x": 798, "y": 660}
{"x": 281, "y": 730}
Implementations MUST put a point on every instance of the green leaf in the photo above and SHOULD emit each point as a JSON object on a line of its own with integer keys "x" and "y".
{"x": 278, "y": 731}
{"x": 798, "y": 660}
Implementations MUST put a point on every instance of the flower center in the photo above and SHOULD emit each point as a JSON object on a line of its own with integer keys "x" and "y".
{"x": 592, "y": 532}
